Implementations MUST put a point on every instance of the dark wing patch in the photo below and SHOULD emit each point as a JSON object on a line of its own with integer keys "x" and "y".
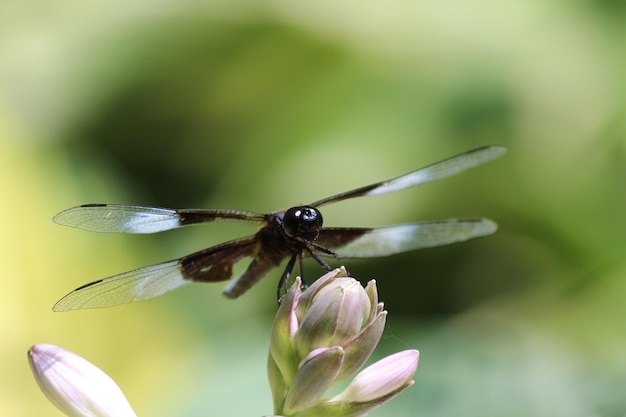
{"x": 216, "y": 263}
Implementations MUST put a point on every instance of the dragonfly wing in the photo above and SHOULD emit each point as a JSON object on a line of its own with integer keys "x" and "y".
{"x": 383, "y": 241}
{"x": 208, "y": 265}
{"x": 436, "y": 171}
{"x": 216, "y": 263}
{"x": 141, "y": 219}
{"x": 137, "y": 285}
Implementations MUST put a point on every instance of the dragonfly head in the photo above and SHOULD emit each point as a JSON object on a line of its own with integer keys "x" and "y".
{"x": 302, "y": 222}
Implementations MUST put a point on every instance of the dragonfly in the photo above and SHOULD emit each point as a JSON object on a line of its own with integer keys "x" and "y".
{"x": 293, "y": 234}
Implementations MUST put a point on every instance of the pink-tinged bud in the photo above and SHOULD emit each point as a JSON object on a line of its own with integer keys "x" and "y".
{"x": 325, "y": 334}
{"x": 383, "y": 378}
{"x": 74, "y": 385}
{"x": 337, "y": 314}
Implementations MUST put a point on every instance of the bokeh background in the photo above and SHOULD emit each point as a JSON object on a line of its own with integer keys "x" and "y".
{"x": 263, "y": 104}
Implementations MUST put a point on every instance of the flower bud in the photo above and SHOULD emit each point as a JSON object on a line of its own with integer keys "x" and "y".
{"x": 75, "y": 386}
{"x": 335, "y": 317}
{"x": 325, "y": 334}
{"x": 377, "y": 381}
{"x": 371, "y": 388}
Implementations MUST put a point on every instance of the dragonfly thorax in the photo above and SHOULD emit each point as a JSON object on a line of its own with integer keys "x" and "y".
{"x": 302, "y": 222}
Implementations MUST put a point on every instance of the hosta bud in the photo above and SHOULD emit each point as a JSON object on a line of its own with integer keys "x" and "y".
{"x": 74, "y": 385}
{"x": 325, "y": 334}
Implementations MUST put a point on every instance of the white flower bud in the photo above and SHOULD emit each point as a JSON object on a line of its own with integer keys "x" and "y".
{"x": 74, "y": 385}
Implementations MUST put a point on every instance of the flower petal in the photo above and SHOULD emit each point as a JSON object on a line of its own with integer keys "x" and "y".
{"x": 372, "y": 292}
{"x": 386, "y": 376}
{"x": 283, "y": 329}
{"x": 316, "y": 374}
{"x": 74, "y": 385}
{"x": 336, "y": 315}
{"x": 278, "y": 386}
{"x": 359, "y": 349}
{"x": 307, "y": 296}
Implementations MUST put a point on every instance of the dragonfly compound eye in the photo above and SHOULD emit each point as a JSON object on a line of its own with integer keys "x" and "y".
{"x": 303, "y": 222}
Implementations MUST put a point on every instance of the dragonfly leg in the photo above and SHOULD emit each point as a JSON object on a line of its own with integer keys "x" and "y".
{"x": 283, "y": 283}
{"x": 325, "y": 251}
{"x": 301, "y": 264}
{"x": 320, "y": 260}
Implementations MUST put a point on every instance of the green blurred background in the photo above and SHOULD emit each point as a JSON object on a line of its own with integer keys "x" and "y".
{"x": 260, "y": 105}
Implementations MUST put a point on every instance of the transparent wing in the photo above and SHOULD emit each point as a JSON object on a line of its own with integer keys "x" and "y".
{"x": 208, "y": 265}
{"x": 137, "y": 285}
{"x": 141, "y": 219}
{"x": 436, "y": 171}
{"x": 383, "y": 241}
